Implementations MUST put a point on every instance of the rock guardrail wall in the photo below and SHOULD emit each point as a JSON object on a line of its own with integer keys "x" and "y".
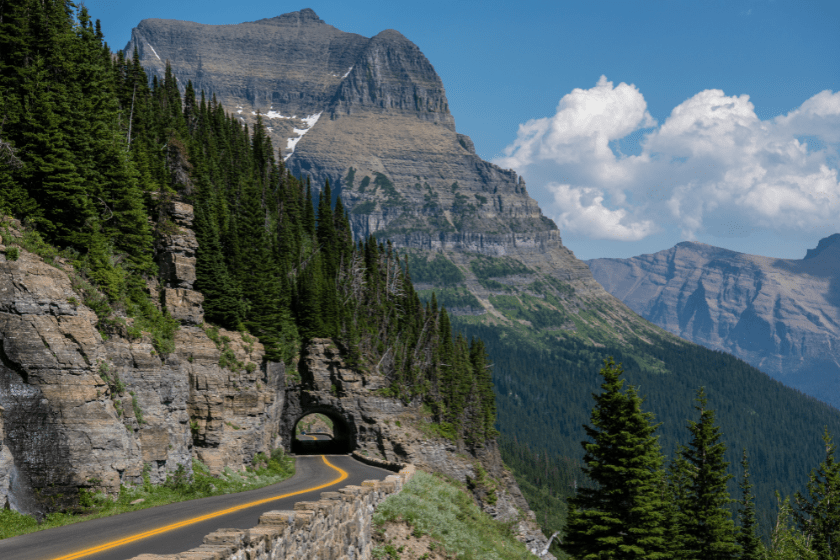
{"x": 339, "y": 526}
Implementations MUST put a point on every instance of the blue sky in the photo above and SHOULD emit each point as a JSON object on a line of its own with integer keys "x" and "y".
{"x": 636, "y": 125}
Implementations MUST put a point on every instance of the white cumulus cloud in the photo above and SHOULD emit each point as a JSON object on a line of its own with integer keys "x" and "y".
{"x": 583, "y": 211}
{"x": 712, "y": 167}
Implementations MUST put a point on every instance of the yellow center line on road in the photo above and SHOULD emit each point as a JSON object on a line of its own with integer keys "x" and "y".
{"x": 167, "y": 528}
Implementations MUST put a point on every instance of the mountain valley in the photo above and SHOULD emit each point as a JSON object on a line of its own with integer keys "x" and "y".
{"x": 276, "y": 230}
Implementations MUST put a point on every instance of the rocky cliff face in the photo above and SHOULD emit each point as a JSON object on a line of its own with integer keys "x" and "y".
{"x": 371, "y": 115}
{"x": 80, "y": 409}
{"x": 780, "y": 315}
{"x": 83, "y": 410}
{"x": 385, "y": 428}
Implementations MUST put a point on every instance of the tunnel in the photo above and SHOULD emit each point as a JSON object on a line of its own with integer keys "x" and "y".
{"x": 342, "y": 440}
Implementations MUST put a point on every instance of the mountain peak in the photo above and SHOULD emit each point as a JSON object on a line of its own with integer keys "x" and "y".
{"x": 306, "y": 15}
{"x": 391, "y": 35}
{"x": 824, "y": 244}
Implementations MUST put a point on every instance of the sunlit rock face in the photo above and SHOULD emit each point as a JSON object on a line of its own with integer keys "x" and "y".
{"x": 371, "y": 116}
{"x": 780, "y": 315}
{"x": 368, "y": 114}
{"x": 80, "y": 408}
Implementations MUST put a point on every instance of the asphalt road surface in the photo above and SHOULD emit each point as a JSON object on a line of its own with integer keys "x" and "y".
{"x": 181, "y": 526}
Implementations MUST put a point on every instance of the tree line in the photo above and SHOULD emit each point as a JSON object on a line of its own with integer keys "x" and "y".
{"x": 92, "y": 153}
{"x": 639, "y": 507}
{"x": 543, "y": 395}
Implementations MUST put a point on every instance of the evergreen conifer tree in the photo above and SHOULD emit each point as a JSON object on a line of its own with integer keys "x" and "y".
{"x": 622, "y": 516}
{"x": 708, "y": 532}
{"x": 817, "y": 514}
{"x": 747, "y": 537}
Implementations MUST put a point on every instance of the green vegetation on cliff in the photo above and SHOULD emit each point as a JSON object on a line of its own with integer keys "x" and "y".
{"x": 442, "y": 517}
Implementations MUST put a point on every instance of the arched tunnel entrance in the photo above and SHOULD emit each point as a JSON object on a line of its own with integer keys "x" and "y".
{"x": 320, "y": 431}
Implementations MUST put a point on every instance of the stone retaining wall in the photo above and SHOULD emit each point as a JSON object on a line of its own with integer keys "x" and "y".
{"x": 339, "y": 526}
{"x": 375, "y": 462}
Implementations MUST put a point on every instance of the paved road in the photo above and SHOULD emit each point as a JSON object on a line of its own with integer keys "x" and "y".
{"x": 313, "y": 476}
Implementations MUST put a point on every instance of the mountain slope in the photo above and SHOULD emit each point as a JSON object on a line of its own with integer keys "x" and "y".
{"x": 780, "y": 315}
{"x": 387, "y": 143}
{"x": 385, "y": 139}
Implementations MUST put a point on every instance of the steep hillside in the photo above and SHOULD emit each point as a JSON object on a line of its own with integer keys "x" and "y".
{"x": 386, "y": 141}
{"x": 780, "y": 315}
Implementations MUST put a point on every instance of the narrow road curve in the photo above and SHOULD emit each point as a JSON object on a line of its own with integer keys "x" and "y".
{"x": 178, "y": 527}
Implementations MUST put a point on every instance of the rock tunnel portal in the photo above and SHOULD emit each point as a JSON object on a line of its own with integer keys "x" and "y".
{"x": 342, "y": 440}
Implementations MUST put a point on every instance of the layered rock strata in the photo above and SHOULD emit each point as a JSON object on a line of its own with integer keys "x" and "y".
{"x": 385, "y": 429}
{"x": 780, "y": 315}
{"x": 372, "y": 117}
{"x": 85, "y": 411}
{"x": 368, "y": 114}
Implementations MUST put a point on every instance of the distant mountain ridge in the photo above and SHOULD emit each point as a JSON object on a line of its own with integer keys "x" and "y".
{"x": 780, "y": 315}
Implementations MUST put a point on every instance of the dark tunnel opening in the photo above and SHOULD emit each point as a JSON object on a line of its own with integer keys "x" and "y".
{"x": 320, "y": 432}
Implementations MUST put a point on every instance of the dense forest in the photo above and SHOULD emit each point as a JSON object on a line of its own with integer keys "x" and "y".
{"x": 544, "y": 398}
{"x": 640, "y": 506}
{"x": 93, "y": 153}
{"x": 544, "y": 388}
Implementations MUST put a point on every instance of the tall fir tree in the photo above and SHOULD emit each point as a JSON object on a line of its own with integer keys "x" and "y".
{"x": 622, "y": 516}
{"x": 747, "y": 537}
{"x": 817, "y": 514}
{"x": 708, "y": 532}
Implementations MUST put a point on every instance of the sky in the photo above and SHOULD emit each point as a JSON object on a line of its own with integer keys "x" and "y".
{"x": 636, "y": 125}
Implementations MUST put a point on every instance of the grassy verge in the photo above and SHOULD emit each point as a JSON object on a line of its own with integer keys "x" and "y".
{"x": 177, "y": 488}
{"x": 448, "y": 515}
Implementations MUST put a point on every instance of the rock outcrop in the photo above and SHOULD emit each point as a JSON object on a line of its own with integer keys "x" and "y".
{"x": 372, "y": 117}
{"x": 82, "y": 410}
{"x": 780, "y": 315}
{"x": 369, "y": 114}
{"x": 384, "y": 428}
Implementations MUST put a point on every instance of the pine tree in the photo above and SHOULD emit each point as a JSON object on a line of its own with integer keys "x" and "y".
{"x": 622, "y": 516}
{"x": 708, "y": 532}
{"x": 747, "y": 537}
{"x": 222, "y": 302}
{"x": 818, "y": 514}
{"x": 786, "y": 543}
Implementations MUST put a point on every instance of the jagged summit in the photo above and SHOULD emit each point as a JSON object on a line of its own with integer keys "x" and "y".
{"x": 392, "y": 35}
{"x": 825, "y": 243}
{"x": 304, "y": 16}
{"x": 369, "y": 114}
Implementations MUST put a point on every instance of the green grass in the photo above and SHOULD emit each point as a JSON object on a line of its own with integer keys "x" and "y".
{"x": 449, "y": 516}
{"x": 177, "y": 488}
